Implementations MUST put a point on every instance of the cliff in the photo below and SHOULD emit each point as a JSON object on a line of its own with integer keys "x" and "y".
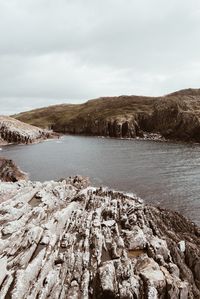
{"x": 10, "y": 172}
{"x": 174, "y": 116}
{"x": 15, "y": 131}
{"x": 66, "y": 240}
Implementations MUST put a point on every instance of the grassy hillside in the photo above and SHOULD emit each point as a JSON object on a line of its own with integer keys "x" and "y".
{"x": 101, "y": 108}
{"x": 175, "y": 115}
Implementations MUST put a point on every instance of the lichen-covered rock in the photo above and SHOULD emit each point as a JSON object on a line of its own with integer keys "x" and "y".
{"x": 15, "y": 131}
{"x": 77, "y": 181}
{"x": 68, "y": 240}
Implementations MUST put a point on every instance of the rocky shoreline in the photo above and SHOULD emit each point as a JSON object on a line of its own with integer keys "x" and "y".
{"x": 146, "y": 136}
{"x": 10, "y": 172}
{"x": 67, "y": 239}
{"x": 14, "y": 131}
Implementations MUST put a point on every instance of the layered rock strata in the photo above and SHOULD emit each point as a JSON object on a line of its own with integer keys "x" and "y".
{"x": 66, "y": 240}
{"x": 14, "y": 131}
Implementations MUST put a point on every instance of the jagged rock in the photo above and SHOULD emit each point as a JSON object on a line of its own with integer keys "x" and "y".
{"x": 135, "y": 238}
{"x": 15, "y": 131}
{"x": 69, "y": 240}
{"x": 153, "y": 277}
{"x": 77, "y": 181}
{"x": 10, "y": 172}
{"x": 181, "y": 245}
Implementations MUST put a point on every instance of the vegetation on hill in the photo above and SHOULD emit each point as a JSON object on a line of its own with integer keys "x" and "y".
{"x": 176, "y": 115}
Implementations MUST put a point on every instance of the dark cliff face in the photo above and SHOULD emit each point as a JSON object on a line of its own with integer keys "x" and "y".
{"x": 111, "y": 128}
{"x": 66, "y": 240}
{"x": 173, "y": 119}
{"x": 175, "y": 116}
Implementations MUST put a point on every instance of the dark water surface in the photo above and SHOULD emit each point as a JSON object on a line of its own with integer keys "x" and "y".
{"x": 167, "y": 174}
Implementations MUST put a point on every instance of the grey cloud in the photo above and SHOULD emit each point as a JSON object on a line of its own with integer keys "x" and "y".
{"x": 72, "y": 50}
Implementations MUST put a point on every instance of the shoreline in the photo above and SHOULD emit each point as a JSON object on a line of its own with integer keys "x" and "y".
{"x": 146, "y": 194}
{"x": 30, "y": 143}
{"x": 10, "y": 172}
{"x": 161, "y": 139}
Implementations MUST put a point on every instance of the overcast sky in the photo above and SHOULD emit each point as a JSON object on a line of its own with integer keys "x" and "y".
{"x": 57, "y": 51}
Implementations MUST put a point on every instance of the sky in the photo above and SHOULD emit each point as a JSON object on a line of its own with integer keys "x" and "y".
{"x": 69, "y": 51}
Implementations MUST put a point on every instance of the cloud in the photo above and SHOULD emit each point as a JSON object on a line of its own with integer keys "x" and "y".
{"x": 72, "y": 50}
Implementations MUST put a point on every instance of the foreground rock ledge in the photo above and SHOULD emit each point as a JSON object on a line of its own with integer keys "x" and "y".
{"x": 66, "y": 240}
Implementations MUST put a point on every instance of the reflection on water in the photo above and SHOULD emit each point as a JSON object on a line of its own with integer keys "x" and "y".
{"x": 167, "y": 174}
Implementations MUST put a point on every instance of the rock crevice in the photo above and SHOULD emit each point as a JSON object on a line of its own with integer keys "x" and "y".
{"x": 66, "y": 240}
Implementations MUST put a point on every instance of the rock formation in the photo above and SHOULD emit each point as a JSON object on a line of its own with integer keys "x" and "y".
{"x": 10, "y": 172}
{"x": 15, "y": 131}
{"x": 174, "y": 116}
{"x": 66, "y": 240}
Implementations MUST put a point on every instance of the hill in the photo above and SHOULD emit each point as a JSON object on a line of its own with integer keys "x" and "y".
{"x": 173, "y": 116}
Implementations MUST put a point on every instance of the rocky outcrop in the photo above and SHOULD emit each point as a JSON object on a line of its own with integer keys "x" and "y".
{"x": 118, "y": 128}
{"x": 10, "y": 172}
{"x": 66, "y": 240}
{"x": 14, "y": 131}
{"x": 174, "y": 116}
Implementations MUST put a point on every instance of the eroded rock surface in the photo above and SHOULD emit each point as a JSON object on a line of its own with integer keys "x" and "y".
{"x": 62, "y": 240}
{"x": 14, "y": 131}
